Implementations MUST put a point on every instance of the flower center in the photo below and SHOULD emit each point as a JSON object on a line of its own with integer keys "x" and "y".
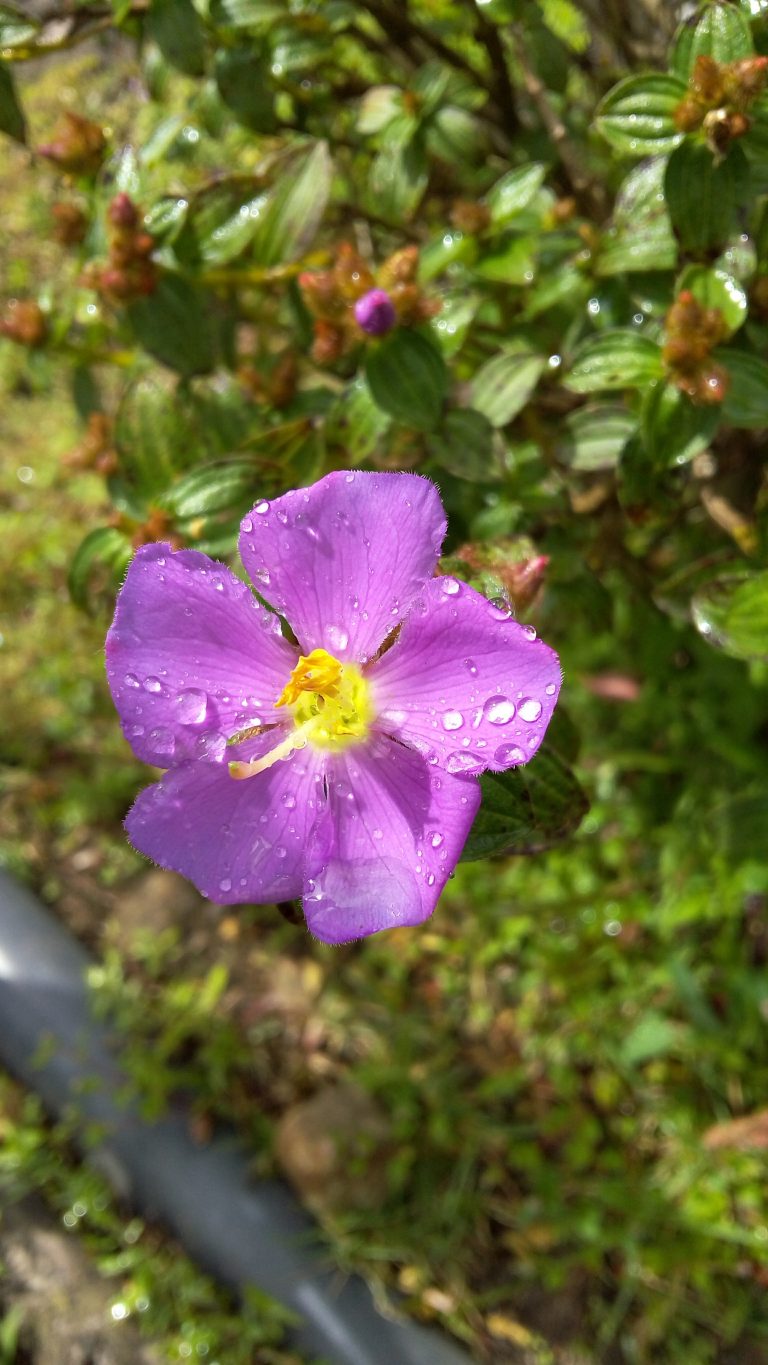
{"x": 330, "y": 705}
{"x": 330, "y": 701}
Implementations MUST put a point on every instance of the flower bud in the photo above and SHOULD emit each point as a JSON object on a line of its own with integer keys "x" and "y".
{"x": 24, "y": 322}
{"x": 122, "y": 212}
{"x": 375, "y": 313}
{"x": 78, "y": 146}
{"x": 70, "y": 223}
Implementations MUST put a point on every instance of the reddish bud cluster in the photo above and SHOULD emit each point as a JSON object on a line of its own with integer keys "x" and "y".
{"x": 277, "y": 387}
{"x": 331, "y": 295}
{"x": 156, "y": 527}
{"x": 96, "y": 450}
{"x": 70, "y": 223}
{"x": 692, "y": 334}
{"x": 77, "y": 146}
{"x": 514, "y": 562}
{"x": 129, "y": 272}
{"x": 24, "y": 322}
{"x": 719, "y": 97}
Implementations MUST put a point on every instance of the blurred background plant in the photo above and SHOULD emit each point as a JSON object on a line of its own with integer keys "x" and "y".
{"x": 523, "y": 249}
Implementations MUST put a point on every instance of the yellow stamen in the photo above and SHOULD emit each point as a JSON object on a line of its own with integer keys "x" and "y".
{"x": 316, "y": 672}
{"x": 330, "y": 705}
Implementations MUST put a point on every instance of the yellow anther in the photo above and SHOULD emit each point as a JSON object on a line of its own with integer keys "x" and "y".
{"x": 330, "y": 707}
{"x": 317, "y": 672}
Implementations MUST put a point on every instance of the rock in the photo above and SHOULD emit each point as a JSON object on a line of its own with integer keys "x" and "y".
{"x": 333, "y": 1149}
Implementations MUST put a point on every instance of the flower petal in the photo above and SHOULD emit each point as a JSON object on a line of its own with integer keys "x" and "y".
{"x": 465, "y": 684}
{"x": 192, "y": 657}
{"x": 385, "y": 843}
{"x": 237, "y": 841}
{"x": 344, "y": 559}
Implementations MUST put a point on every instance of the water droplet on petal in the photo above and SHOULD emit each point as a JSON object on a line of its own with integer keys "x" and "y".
{"x": 247, "y": 525}
{"x": 225, "y": 884}
{"x": 262, "y": 576}
{"x": 436, "y": 839}
{"x": 471, "y": 667}
{"x": 280, "y": 851}
{"x": 192, "y": 706}
{"x": 529, "y": 632}
{"x": 453, "y": 720}
{"x": 463, "y": 763}
{"x": 431, "y": 879}
{"x": 499, "y": 710}
{"x": 500, "y": 609}
{"x": 529, "y": 709}
{"x": 337, "y": 637}
{"x": 212, "y": 746}
{"x": 153, "y": 685}
{"x": 137, "y": 730}
{"x": 349, "y": 478}
{"x": 450, "y": 586}
{"x": 288, "y": 800}
{"x": 550, "y": 689}
{"x": 509, "y": 753}
{"x": 261, "y": 508}
{"x": 378, "y": 834}
{"x": 163, "y": 741}
{"x": 131, "y": 680}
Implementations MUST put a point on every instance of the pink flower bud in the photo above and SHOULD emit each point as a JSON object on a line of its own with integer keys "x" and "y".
{"x": 375, "y": 313}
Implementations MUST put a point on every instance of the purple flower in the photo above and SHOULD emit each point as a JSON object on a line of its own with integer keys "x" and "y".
{"x": 333, "y": 769}
{"x": 375, "y": 313}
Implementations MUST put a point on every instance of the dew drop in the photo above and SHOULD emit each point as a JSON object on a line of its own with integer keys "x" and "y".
{"x": 550, "y": 689}
{"x": 261, "y": 508}
{"x": 131, "y": 680}
{"x": 349, "y": 478}
{"x": 431, "y": 879}
{"x": 211, "y": 747}
{"x": 500, "y": 609}
{"x": 225, "y": 884}
{"x": 471, "y": 667}
{"x": 337, "y": 637}
{"x": 247, "y": 525}
{"x": 453, "y": 720}
{"x": 450, "y": 586}
{"x": 436, "y": 839}
{"x": 137, "y": 730}
{"x": 529, "y": 709}
{"x": 153, "y": 685}
{"x": 288, "y": 800}
{"x": 529, "y": 632}
{"x": 499, "y": 710}
{"x": 192, "y": 706}
{"x": 280, "y": 851}
{"x": 463, "y": 763}
{"x": 262, "y": 576}
{"x": 163, "y": 741}
{"x": 509, "y": 753}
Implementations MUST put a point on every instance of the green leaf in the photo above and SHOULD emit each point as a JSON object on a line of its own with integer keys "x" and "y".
{"x": 674, "y": 429}
{"x": 716, "y": 289}
{"x": 721, "y": 32}
{"x": 637, "y": 115}
{"x": 509, "y": 259}
{"x": 356, "y": 424}
{"x": 242, "y": 77}
{"x": 640, "y": 236}
{"x": 176, "y": 28}
{"x": 514, "y": 192}
{"x": 378, "y": 107}
{"x": 464, "y": 446}
{"x": 596, "y": 435}
{"x": 398, "y": 179}
{"x": 746, "y": 402}
{"x": 614, "y": 360}
{"x": 653, "y": 1036}
{"x": 12, "y": 119}
{"x": 732, "y": 613}
{"x": 258, "y": 15}
{"x": 502, "y": 387}
{"x": 454, "y": 320}
{"x": 408, "y": 378}
{"x": 456, "y": 135}
{"x": 153, "y": 435}
{"x": 213, "y": 489}
{"x": 567, "y": 23}
{"x": 98, "y": 565}
{"x": 220, "y": 222}
{"x": 526, "y": 809}
{"x": 703, "y": 193}
{"x": 16, "y": 28}
{"x": 174, "y": 324}
{"x": 295, "y": 206}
